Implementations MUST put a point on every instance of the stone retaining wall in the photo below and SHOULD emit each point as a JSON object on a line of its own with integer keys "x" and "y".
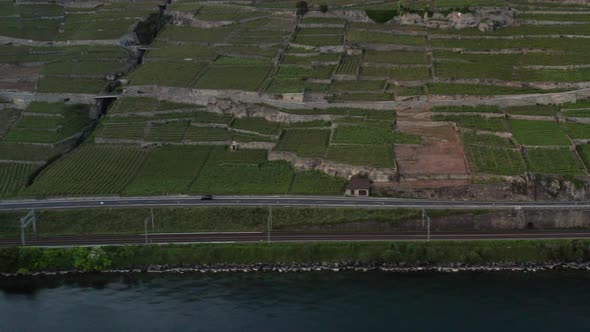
{"x": 125, "y": 40}
{"x": 22, "y": 99}
{"x": 334, "y": 169}
{"x": 188, "y": 19}
{"x": 531, "y": 117}
{"x": 257, "y": 145}
{"x": 423, "y": 177}
{"x": 144, "y": 143}
{"x": 205, "y": 97}
{"x": 576, "y": 120}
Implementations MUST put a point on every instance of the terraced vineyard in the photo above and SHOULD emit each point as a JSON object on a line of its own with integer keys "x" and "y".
{"x": 318, "y": 183}
{"x": 537, "y": 110}
{"x": 258, "y": 125}
{"x": 34, "y": 137}
{"x": 305, "y": 143}
{"x": 474, "y": 122}
{"x": 169, "y": 169}
{"x": 50, "y": 129}
{"x": 92, "y": 169}
{"x": 361, "y": 155}
{"x": 180, "y": 74}
{"x": 348, "y": 66}
{"x": 132, "y": 130}
{"x": 13, "y": 177}
{"x": 242, "y": 171}
{"x": 226, "y": 98}
{"x": 363, "y": 135}
{"x": 554, "y": 161}
{"x": 577, "y": 130}
{"x": 26, "y": 152}
{"x": 234, "y": 77}
{"x": 167, "y": 132}
{"x": 490, "y": 160}
{"x": 538, "y": 133}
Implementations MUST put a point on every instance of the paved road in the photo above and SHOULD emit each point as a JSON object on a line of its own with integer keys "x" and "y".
{"x": 246, "y": 237}
{"x": 286, "y": 201}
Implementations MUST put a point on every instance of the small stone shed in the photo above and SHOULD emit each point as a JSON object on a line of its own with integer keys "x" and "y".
{"x": 358, "y": 186}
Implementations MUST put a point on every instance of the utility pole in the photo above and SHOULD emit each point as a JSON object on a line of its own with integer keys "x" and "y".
{"x": 147, "y": 220}
{"x": 30, "y": 218}
{"x": 269, "y": 222}
{"x": 427, "y": 218}
{"x": 152, "y": 215}
{"x": 423, "y": 218}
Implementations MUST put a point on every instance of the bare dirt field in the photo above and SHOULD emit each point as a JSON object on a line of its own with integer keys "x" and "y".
{"x": 21, "y": 86}
{"x": 439, "y": 161}
{"x": 17, "y": 77}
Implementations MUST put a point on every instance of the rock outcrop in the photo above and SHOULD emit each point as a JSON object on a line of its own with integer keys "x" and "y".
{"x": 484, "y": 19}
{"x": 334, "y": 169}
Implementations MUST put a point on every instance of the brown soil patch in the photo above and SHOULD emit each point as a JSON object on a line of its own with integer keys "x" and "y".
{"x": 438, "y": 162}
{"x": 433, "y": 183}
{"x": 17, "y": 77}
{"x": 21, "y": 86}
{"x": 441, "y": 152}
{"x": 19, "y": 73}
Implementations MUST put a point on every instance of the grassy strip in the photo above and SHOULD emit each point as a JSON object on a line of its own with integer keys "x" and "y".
{"x": 216, "y": 219}
{"x": 411, "y": 253}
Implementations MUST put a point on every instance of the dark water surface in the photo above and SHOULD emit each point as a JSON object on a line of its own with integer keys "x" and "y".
{"x": 548, "y": 301}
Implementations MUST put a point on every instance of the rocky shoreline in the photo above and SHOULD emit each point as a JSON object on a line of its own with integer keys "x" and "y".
{"x": 328, "y": 267}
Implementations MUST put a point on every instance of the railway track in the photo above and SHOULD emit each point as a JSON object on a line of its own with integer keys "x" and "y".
{"x": 250, "y": 237}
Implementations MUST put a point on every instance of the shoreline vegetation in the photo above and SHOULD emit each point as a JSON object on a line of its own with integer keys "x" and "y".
{"x": 400, "y": 256}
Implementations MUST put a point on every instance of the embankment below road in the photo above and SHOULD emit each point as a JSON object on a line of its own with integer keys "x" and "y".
{"x": 130, "y": 221}
{"x": 529, "y": 255}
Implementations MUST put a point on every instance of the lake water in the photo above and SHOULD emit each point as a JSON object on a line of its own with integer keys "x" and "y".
{"x": 323, "y": 301}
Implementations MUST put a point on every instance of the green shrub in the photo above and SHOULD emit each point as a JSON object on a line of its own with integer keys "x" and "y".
{"x": 412, "y": 253}
{"x": 381, "y": 15}
{"x": 91, "y": 259}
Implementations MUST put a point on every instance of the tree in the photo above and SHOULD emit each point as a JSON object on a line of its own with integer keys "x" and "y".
{"x": 89, "y": 260}
{"x": 302, "y": 7}
{"x": 323, "y": 8}
{"x": 9, "y": 259}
